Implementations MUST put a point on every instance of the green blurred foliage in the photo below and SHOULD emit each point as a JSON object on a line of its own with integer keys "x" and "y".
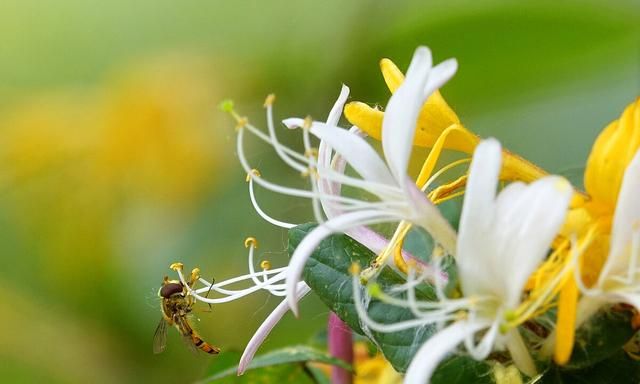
{"x": 116, "y": 162}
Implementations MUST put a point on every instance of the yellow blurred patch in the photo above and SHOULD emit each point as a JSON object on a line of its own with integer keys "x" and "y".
{"x": 76, "y": 163}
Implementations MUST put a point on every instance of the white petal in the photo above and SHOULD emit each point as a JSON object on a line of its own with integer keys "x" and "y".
{"x": 324, "y": 150}
{"x": 293, "y": 122}
{"x": 426, "y": 360}
{"x": 358, "y": 153}
{"x": 502, "y": 240}
{"x": 627, "y": 216}
{"x": 439, "y": 75}
{"x": 477, "y": 216}
{"x": 336, "y": 110}
{"x": 311, "y": 241}
{"x": 265, "y": 328}
{"x": 401, "y": 114}
{"x": 526, "y": 230}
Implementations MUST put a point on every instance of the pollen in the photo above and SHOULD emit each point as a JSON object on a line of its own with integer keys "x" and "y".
{"x": 265, "y": 265}
{"x": 254, "y": 173}
{"x": 308, "y": 121}
{"x": 195, "y": 274}
{"x": 269, "y": 100}
{"x": 311, "y": 152}
{"x": 354, "y": 269}
{"x": 176, "y": 266}
{"x": 251, "y": 242}
{"x": 241, "y": 122}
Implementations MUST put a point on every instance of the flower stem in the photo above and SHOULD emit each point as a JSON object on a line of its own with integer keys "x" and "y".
{"x": 341, "y": 347}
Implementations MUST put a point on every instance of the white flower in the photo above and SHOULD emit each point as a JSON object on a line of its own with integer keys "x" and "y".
{"x": 619, "y": 280}
{"x": 399, "y": 199}
{"x": 501, "y": 241}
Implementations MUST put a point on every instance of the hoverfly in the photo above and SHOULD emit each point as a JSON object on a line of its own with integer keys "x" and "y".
{"x": 176, "y": 305}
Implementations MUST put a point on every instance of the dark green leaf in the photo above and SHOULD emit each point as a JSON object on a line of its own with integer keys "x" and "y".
{"x": 602, "y": 336}
{"x": 617, "y": 369}
{"x": 462, "y": 370}
{"x": 327, "y": 273}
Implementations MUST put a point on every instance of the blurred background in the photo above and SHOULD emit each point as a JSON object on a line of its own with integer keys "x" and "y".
{"x": 115, "y": 160}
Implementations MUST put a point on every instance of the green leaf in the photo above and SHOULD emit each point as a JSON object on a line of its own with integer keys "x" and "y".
{"x": 462, "y": 370}
{"x": 327, "y": 273}
{"x": 617, "y": 369}
{"x": 286, "y": 356}
{"x": 603, "y": 335}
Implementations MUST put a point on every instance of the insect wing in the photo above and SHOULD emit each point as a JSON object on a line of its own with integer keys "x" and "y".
{"x": 185, "y": 333}
{"x": 160, "y": 337}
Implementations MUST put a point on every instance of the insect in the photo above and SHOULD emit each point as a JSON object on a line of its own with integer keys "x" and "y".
{"x": 176, "y": 305}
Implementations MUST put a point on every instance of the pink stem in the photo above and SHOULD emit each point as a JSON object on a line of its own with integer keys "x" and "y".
{"x": 341, "y": 347}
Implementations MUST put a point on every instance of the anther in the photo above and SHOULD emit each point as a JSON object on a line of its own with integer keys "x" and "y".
{"x": 308, "y": 121}
{"x": 241, "y": 122}
{"x": 254, "y": 173}
{"x": 438, "y": 252}
{"x": 251, "y": 242}
{"x": 177, "y": 266}
{"x": 195, "y": 274}
{"x": 354, "y": 269}
{"x": 311, "y": 152}
{"x": 265, "y": 265}
{"x": 461, "y": 315}
{"x": 269, "y": 100}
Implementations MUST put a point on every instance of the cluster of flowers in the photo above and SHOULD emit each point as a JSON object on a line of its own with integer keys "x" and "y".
{"x": 527, "y": 241}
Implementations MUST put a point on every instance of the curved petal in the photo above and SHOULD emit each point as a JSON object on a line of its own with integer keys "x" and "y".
{"x": 308, "y": 245}
{"x": 439, "y": 75}
{"x": 265, "y": 328}
{"x": 477, "y": 216}
{"x": 426, "y": 360}
{"x": 627, "y": 216}
{"x": 399, "y": 123}
{"x": 338, "y": 106}
{"x": 527, "y": 226}
{"x": 358, "y": 153}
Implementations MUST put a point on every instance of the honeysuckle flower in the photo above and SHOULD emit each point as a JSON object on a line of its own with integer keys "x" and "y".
{"x": 400, "y": 199}
{"x": 502, "y": 239}
{"x": 609, "y": 169}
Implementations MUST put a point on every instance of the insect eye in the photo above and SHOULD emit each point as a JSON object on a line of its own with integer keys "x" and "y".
{"x": 170, "y": 289}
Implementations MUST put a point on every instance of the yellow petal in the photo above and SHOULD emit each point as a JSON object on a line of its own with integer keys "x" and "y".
{"x": 515, "y": 167}
{"x": 435, "y": 118}
{"x": 565, "y": 325}
{"x": 611, "y": 153}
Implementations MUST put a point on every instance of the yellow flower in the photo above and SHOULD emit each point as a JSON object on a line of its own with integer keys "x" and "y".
{"x": 438, "y": 127}
{"x": 372, "y": 369}
{"x": 591, "y": 222}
